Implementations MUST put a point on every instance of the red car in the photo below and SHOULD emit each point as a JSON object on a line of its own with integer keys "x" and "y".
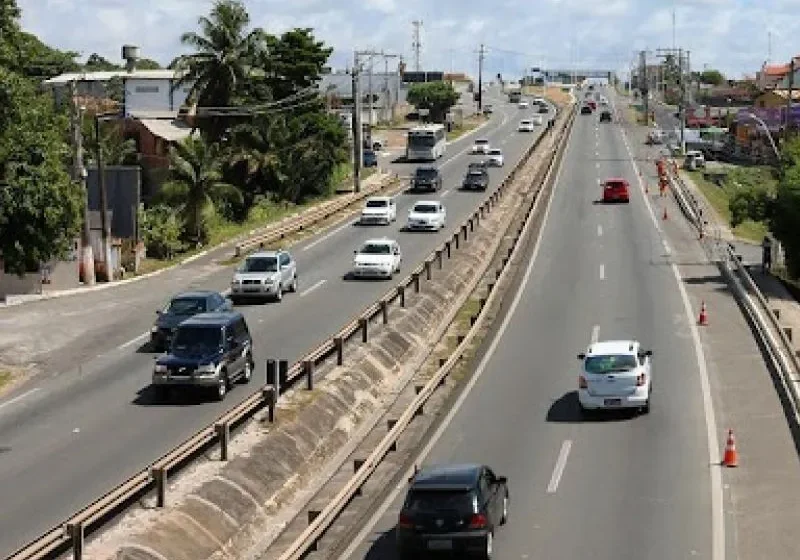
{"x": 616, "y": 190}
{"x": 592, "y": 104}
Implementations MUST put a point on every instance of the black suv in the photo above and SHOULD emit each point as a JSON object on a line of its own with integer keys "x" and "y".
{"x": 426, "y": 179}
{"x": 180, "y": 308}
{"x": 452, "y": 508}
{"x": 605, "y": 116}
{"x": 477, "y": 178}
{"x": 208, "y": 351}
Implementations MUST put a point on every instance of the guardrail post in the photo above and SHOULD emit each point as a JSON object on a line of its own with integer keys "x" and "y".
{"x": 482, "y": 303}
{"x": 472, "y": 320}
{"x": 160, "y": 476}
{"x": 224, "y": 434}
{"x": 363, "y": 325}
{"x": 472, "y": 224}
{"x": 338, "y": 343}
{"x": 777, "y": 313}
{"x": 271, "y": 372}
{"x": 308, "y": 372}
{"x": 788, "y": 332}
{"x": 384, "y": 312}
{"x": 442, "y": 362}
{"x": 415, "y": 276}
{"x": 357, "y": 464}
{"x": 421, "y": 410}
{"x": 272, "y": 411}
{"x": 457, "y": 239}
{"x": 401, "y": 292}
{"x": 283, "y": 375}
{"x": 498, "y": 272}
{"x": 489, "y": 287}
{"x": 312, "y": 515}
{"x": 237, "y": 251}
{"x": 390, "y": 424}
{"x": 76, "y": 534}
{"x": 459, "y": 339}
{"x": 464, "y": 231}
{"x": 448, "y": 249}
{"x": 427, "y": 270}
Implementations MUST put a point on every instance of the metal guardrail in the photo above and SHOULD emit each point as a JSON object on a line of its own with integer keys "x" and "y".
{"x": 307, "y": 540}
{"x": 769, "y": 329}
{"x": 311, "y": 217}
{"x": 72, "y": 532}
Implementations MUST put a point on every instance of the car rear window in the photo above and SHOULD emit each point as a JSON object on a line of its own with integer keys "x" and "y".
{"x": 481, "y": 141}
{"x": 615, "y": 185}
{"x": 377, "y": 203}
{"x": 196, "y": 340}
{"x": 187, "y": 306}
{"x": 426, "y": 173}
{"x": 426, "y": 208}
{"x": 441, "y": 500}
{"x": 610, "y": 363}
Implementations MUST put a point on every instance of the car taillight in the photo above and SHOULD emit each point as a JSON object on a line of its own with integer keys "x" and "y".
{"x": 404, "y": 522}
{"x": 582, "y": 382}
{"x": 478, "y": 521}
{"x": 641, "y": 379}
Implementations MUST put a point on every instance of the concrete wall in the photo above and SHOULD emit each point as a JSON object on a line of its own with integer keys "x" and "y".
{"x": 143, "y": 96}
{"x": 54, "y": 276}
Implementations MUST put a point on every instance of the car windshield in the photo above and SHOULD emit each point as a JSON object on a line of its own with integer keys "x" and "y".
{"x": 610, "y": 363}
{"x": 376, "y": 249}
{"x": 426, "y": 208}
{"x": 426, "y": 173}
{"x": 523, "y": 123}
{"x": 481, "y": 142}
{"x": 259, "y": 264}
{"x": 440, "y": 500}
{"x": 495, "y": 153}
{"x": 377, "y": 203}
{"x": 475, "y": 173}
{"x": 196, "y": 340}
{"x": 186, "y": 306}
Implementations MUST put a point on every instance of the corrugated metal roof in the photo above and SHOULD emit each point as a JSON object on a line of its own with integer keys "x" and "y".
{"x": 169, "y": 130}
{"x": 105, "y": 76}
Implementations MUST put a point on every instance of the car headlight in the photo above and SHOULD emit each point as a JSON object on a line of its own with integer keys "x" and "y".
{"x": 236, "y": 281}
{"x": 160, "y": 368}
{"x": 206, "y": 369}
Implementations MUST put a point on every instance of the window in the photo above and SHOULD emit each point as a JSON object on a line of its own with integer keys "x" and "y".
{"x": 146, "y": 89}
{"x": 610, "y": 363}
{"x": 438, "y": 500}
{"x": 259, "y": 264}
{"x": 377, "y": 203}
{"x": 285, "y": 259}
{"x": 196, "y": 341}
{"x": 217, "y": 301}
{"x": 426, "y": 208}
{"x": 376, "y": 249}
{"x": 186, "y": 306}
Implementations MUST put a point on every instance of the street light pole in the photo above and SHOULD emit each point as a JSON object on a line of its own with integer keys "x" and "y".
{"x": 101, "y": 181}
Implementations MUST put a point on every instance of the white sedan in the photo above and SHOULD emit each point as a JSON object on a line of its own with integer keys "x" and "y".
{"x": 379, "y": 210}
{"x": 427, "y": 215}
{"x": 481, "y": 146}
{"x": 525, "y": 126}
{"x": 615, "y": 374}
{"x": 495, "y": 158}
{"x": 377, "y": 258}
{"x": 523, "y": 104}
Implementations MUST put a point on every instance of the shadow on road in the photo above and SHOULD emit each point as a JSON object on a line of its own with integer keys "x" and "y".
{"x": 566, "y": 410}
{"x": 384, "y": 547}
{"x": 152, "y": 396}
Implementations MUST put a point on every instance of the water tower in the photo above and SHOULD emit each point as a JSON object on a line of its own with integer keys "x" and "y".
{"x": 130, "y": 54}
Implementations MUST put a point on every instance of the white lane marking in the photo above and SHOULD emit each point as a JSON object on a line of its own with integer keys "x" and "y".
{"x": 599, "y": 231}
{"x": 561, "y": 463}
{"x": 445, "y": 193}
{"x": 18, "y": 398}
{"x": 330, "y": 234}
{"x": 717, "y": 503}
{"x": 133, "y": 341}
{"x": 312, "y": 288}
{"x": 392, "y": 497}
{"x": 602, "y": 272}
{"x": 595, "y": 334}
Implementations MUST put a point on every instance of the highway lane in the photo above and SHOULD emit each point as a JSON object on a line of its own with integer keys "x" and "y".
{"x": 78, "y": 436}
{"x": 618, "y": 487}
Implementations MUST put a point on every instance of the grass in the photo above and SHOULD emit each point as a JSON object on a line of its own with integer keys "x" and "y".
{"x": 268, "y": 214}
{"x": 5, "y": 378}
{"x": 718, "y": 197}
{"x": 470, "y": 123}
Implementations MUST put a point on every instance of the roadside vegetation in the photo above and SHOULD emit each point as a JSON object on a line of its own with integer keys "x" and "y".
{"x": 281, "y": 151}
{"x": 468, "y": 124}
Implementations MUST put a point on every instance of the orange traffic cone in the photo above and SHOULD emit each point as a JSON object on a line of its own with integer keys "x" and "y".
{"x": 665, "y": 216}
{"x": 731, "y": 458}
{"x": 703, "y": 319}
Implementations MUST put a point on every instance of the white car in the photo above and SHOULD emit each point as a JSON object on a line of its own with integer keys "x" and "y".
{"x": 427, "y": 215}
{"x": 537, "y": 120}
{"x": 377, "y": 258}
{"x": 379, "y": 210}
{"x": 523, "y": 104}
{"x": 615, "y": 374}
{"x": 495, "y": 158}
{"x": 481, "y": 146}
{"x": 526, "y": 125}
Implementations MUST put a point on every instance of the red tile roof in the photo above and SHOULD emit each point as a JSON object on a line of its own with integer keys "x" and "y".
{"x": 776, "y": 69}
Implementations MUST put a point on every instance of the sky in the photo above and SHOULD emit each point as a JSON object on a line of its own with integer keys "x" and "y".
{"x": 730, "y": 35}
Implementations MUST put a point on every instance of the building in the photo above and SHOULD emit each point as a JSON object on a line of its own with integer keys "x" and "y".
{"x": 776, "y": 98}
{"x": 771, "y": 75}
{"x": 388, "y": 93}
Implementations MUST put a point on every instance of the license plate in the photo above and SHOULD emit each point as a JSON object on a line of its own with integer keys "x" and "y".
{"x": 612, "y": 402}
{"x": 252, "y": 289}
{"x": 440, "y": 545}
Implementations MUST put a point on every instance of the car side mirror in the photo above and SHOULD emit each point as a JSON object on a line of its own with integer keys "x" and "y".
{"x": 581, "y": 356}
{"x": 501, "y": 480}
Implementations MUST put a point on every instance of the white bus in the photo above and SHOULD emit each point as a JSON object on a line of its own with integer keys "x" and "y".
{"x": 426, "y": 143}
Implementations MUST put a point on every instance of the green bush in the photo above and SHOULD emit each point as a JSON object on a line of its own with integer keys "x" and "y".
{"x": 161, "y": 229}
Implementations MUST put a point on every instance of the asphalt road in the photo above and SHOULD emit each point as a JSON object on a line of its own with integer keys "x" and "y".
{"x": 71, "y": 438}
{"x": 617, "y": 487}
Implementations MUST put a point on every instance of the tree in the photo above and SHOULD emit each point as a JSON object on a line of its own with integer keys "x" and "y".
{"x": 40, "y": 206}
{"x": 225, "y": 52}
{"x": 196, "y": 184}
{"x": 294, "y": 62}
{"x": 115, "y": 148}
{"x": 712, "y": 77}
{"x": 253, "y": 157}
{"x": 437, "y": 97}
{"x": 97, "y": 63}
{"x": 147, "y": 64}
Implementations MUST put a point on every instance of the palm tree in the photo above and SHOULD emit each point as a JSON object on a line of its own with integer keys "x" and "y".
{"x": 254, "y": 154}
{"x": 196, "y": 185}
{"x": 224, "y": 54}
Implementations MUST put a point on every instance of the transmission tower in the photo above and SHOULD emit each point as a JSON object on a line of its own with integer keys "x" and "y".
{"x": 417, "y": 43}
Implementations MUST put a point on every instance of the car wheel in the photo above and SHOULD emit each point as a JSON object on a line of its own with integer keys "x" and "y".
{"x": 222, "y": 386}
{"x": 247, "y": 372}
{"x": 504, "y": 518}
{"x": 279, "y": 293}
{"x": 293, "y": 285}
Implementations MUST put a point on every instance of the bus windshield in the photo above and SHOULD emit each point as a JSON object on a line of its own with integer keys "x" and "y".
{"x": 421, "y": 141}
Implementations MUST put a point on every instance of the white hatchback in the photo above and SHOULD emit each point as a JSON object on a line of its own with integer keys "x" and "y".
{"x": 615, "y": 374}
{"x": 427, "y": 215}
{"x": 495, "y": 158}
{"x": 525, "y": 126}
{"x": 377, "y": 258}
{"x": 523, "y": 104}
{"x": 481, "y": 146}
{"x": 379, "y": 210}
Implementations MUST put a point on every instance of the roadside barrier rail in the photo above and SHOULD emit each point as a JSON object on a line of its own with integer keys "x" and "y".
{"x": 71, "y": 533}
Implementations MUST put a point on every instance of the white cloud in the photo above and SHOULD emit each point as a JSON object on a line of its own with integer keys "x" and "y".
{"x": 727, "y": 34}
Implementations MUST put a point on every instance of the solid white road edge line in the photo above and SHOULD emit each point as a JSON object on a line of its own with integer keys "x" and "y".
{"x": 381, "y": 511}
{"x": 602, "y": 272}
{"x": 599, "y": 231}
{"x": 18, "y": 398}
{"x": 717, "y": 504}
{"x": 312, "y": 288}
{"x": 558, "y": 470}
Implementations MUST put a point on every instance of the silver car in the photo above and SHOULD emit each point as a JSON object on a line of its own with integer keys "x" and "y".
{"x": 266, "y": 274}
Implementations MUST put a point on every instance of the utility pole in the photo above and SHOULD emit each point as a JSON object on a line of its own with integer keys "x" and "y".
{"x": 357, "y": 144}
{"x": 683, "y": 95}
{"x": 481, "y": 54}
{"x": 101, "y": 181}
{"x": 789, "y": 102}
{"x": 79, "y": 175}
{"x": 369, "y": 87}
{"x": 388, "y": 104}
{"x": 644, "y": 86}
{"x": 416, "y": 44}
